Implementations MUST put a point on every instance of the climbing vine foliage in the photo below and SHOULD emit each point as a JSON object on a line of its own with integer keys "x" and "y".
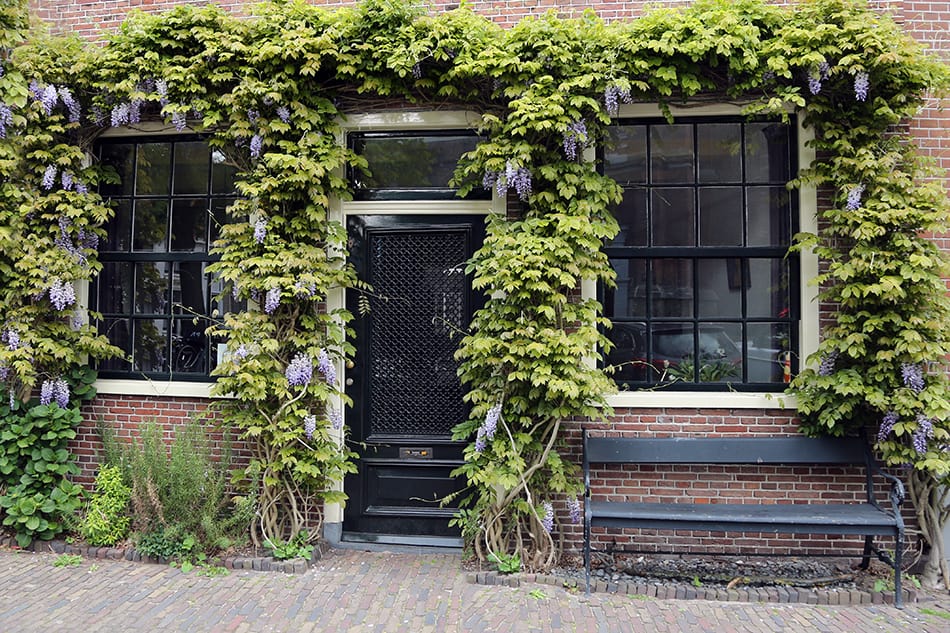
{"x": 269, "y": 93}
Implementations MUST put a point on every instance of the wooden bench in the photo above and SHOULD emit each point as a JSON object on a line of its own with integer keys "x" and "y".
{"x": 867, "y": 519}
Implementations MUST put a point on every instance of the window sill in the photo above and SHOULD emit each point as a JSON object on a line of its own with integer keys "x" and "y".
{"x": 700, "y": 400}
{"x": 161, "y": 388}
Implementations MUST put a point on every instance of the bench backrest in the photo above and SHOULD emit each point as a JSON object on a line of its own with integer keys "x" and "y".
{"x": 764, "y": 450}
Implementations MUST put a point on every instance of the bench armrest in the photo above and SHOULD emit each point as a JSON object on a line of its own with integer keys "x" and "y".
{"x": 897, "y": 493}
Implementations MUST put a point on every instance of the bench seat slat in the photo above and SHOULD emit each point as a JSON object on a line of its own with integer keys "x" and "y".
{"x": 685, "y": 450}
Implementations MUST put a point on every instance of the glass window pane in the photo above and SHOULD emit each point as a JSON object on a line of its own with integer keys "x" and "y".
{"x": 671, "y": 351}
{"x": 151, "y": 287}
{"x": 190, "y": 226}
{"x": 671, "y": 154}
{"x": 115, "y": 288}
{"x": 720, "y": 357}
{"x": 223, "y": 172}
{"x": 625, "y": 154}
{"x": 720, "y": 216}
{"x": 121, "y": 157}
{"x": 190, "y": 289}
{"x": 189, "y": 347}
{"x": 671, "y": 291}
{"x": 770, "y": 216}
{"x": 119, "y": 333}
{"x": 628, "y": 298}
{"x": 150, "y": 226}
{"x": 224, "y": 302}
{"x": 149, "y": 352}
{"x": 673, "y": 216}
{"x": 720, "y": 152}
{"x": 191, "y": 168}
{"x": 219, "y": 216}
{"x": 153, "y": 169}
{"x": 631, "y": 215}
{"x": 717, "y": 296}
{"x": 767, "y": 152}
{"x": 628, "y": 357}
{"x": 768, "y": 350}
{"x": 410, "y": 162}
{"x": 119, "y": 228}
{"x": 767, "y": 293}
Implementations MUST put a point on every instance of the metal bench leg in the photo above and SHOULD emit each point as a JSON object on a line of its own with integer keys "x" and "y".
{"x": 587, "y": 556}
{"x": 866, "y": 558}
{"x": 898, "y": 591}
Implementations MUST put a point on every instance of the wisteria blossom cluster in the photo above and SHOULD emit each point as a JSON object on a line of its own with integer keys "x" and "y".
{"x": 613, "y": 97}
{"x": 240, "y": 353}
{"x": 887, "y": 425}
{"x": 6, "y": 119}
{"x": 575, "y": 139}
{"x": 55, "y": 390}
{"x": 861, "y": 85}
{"x": 827, "y": 366}
{"x": 913, "y": 377}
{"x": 547, "y": 521}
{"x": 84, "y": 240}
{"x": 61, "y": 293}
{"x": 925, "y": 431}
{"x": 300, "y": 370}
{"x": 304, "y": 290}
{"x": 127, "y": 113}
{"x": 272, "y": 300}
{"x": 486, "y": 432}
{"x": 283, "y": 113}
{"x": 854, "y": 197}
{"x": 11, "y": 338}
{"x": 260, "y": 230}
{"x": 817, "y": 76}
{"x": 336, "y": 419}
{"x": 326, "y": 367}
{"x": 574, "y": 509}
{"x": 515, "y": 177}
{"x": 309, "y": 425}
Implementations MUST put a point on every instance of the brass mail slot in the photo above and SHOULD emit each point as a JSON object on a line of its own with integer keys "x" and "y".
{"x": 415, "y": 453}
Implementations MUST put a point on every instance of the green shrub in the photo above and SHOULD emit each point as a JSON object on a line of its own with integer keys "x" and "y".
{"x": 107, "y": 519}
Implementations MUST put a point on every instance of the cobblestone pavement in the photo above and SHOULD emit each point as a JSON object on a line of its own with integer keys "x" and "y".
{"x": 383, "y": 592}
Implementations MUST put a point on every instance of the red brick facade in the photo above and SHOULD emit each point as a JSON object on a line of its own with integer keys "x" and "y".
{"x": 929, "y": 22}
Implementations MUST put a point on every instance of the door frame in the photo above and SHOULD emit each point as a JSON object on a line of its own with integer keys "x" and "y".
{"x": 339, "y": 210}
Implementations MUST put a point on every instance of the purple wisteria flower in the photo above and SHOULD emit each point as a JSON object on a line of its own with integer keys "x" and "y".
{"x": 97, "y": 116}
{"x": 304, "y": 290}
{"x": 814, "y": 84}
{"x": 480, "y": 442}
{"x": 180, "y": 121}
{"x": 861, "y": 85}
{"x": 326, "y": 367}
{"x": 62, "y": 294}
{"x": 4, "y": 374}
{"x": 55, "y": 390}
{"x": 272, "y": 300}
{"x": 6, "y": 119}
{"x": 49, "y": 98}
{"x": 49, "y": 177}
{"x": 613, "y": 97}
{"x": 490, "y": 179}
{"x": 75, "y": 112}
{"x": 300, "y": 370}
{"x": 78, "y": 319}
{"x": 575, "y": 138}
{"x": 417, "y": 70}
{"x": 283, "y": 113}
{"x": 82, "y": 188}
{"x": 887, "y": 425}
{"x": 827, "y": 366}
{"x": 12, "y": 339}
{"x": 256, "y": 144}
{"x": 252, "y": 116}
{"x": 913, "y": 377}
{"x": 120, "y": 114}
{"x": 135, "y": 111}
{"x": 309, "y": 425}
{"x": 574, "y": 509}
{"x": 260, "y": 230}
{"x": 336, "y": 419}
{"x": 547, "y": 521}
{"x": 240, "y": 353}
{"x": 36, "y": 90}
{"x": 161, "y": 89}
{"x": 925, "y": 431}
{"x": 490, "y": 425}
{"x": 854, "y": 197}
{"x": 517, "y": 178}
{"x": 66, "y": 179}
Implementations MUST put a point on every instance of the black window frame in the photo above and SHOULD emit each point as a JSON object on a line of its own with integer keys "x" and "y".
{"x": 697, "y": 254}
{"x": 196, "y": 347}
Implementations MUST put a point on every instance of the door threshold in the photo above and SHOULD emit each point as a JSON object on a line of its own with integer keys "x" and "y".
{"x": 371, "y": 541}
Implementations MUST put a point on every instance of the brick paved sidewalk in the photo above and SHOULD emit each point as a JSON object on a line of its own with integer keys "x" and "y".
{"x": 383, "y": 592}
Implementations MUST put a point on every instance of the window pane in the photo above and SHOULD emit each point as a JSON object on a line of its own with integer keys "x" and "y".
{"x": 671, "y": 349}
{"x": 767, "y": 294}
{"x": 770, "y": 216}
{"x": 720, "y": 358}
{"x": 767, "y": 153}
{"x": 189, "y": 347}
{"x": 121, "y": 157}
{"x": 717, "y": 296}
{"x": 768, "y": 351}
{"x": 150, "y": 226}
{"x": 625, "y": 155}
{"x": 115, "y": 288}
{"x": 190, "y": 226}
{"x": 119, "y": 228}
{"x": 628, "y": 357}
{"x": 224, "y": 302}
{"x": 720, "y": 216}
{"x": 628, "y": 299}
{"x": 190, "y": 289}
{"x": 153, "y": 169}
{"x": 720, "y": 152}
{"x": 191, "y": 168}
{"x": 671, "y": 153}
{"x": 119, "y": 333}
{"x": 219, "y": 216}
{"x": 674, "y": 217}
{"x": 149, "y": 352}
{"x": 223, "y": 172}
{"x": 151, "y": 287}
{"x": 631, "y": 215}
{"x": 410, "y": 162}
{"x": 671, "y": 294}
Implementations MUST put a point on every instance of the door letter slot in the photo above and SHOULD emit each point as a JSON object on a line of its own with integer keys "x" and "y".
{"x": 415, "y": 453}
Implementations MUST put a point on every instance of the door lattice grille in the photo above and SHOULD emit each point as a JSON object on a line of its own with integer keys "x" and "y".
{"x": 416, "y": 318}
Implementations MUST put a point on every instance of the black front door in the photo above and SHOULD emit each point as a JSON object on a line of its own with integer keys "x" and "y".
{"x": 406, "y": 394}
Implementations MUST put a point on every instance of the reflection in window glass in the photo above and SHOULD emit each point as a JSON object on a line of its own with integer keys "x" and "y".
{"x": 720, "y": 216}
{"x": 770, "y": 216}
{"x": 153, "y": 169}
{"x": 720, "y": 152}
{"x": 632, "y": 216}
{"x": 150, "y": 345}
{"x": 671, "y": 154}
{"x": 625, "y": 155}
{"x": 191, "y": 168}
{"x": 674, "y": 217}
{"x": 150, "y": 225}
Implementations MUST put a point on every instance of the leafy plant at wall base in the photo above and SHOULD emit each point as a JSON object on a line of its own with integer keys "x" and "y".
{"x": 298, "y": 547}
{"x": 107, "y": 518}
{"x": 505, "y": 563}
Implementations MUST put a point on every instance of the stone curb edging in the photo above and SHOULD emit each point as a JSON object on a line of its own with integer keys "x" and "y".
{"x": 260, "y": 563}
{"x": 680, "y": 591}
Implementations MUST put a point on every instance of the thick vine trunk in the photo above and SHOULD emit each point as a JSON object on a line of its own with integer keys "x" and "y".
{"x": 931, "y": 498}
